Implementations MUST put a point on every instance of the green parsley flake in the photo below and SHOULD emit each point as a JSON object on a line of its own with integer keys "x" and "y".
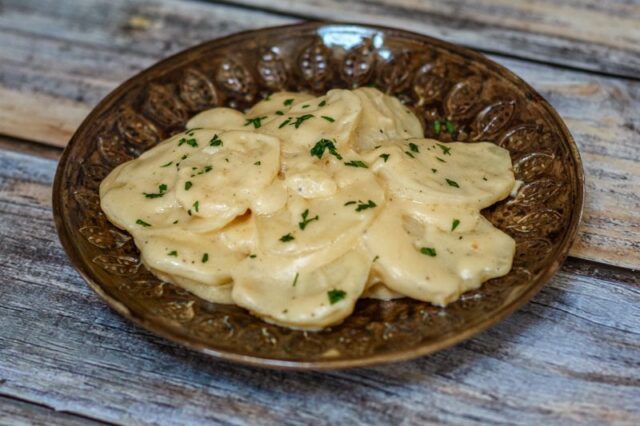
{"x": 301, "y": 120}
{"x": 142, "y": 223}
{"x": 305, "y": 220}
{"x": 375, "y": 258}
{"x": 329, "y": 119}
{"x": 440, "y": 160}
{"x": 162, "y": 188}
{"x": 215, "y": 141}
{"x": 450, "y": 127}
{"x": 173, "y": 253}
{"x": 191, "y": 142}
{"x": 279, "y": 113}
{"x": 357, "y": 163}
{"x": 336, "y": 295}
{"x": 284, "y": 123}
{"x": 205, "y": 258}
{"x": 257, "y": 122}
{"x": 252, "y": 256}
{"x": 305, "y": 106}
{"x": 452, "y": 183}
{"x": 257, "y": 163}
{"x": 187, "y": 185}
{"x": 322, "y": 145}
{"x": 445, "y": 149}
{"x": 363, "y": 206}
{"x": 413, "y": 147}
{"x": 196, "y": 206}
{"x": 323, "y": 103}
{"x": 295, "y": 280}
{"x": 429, "y": 251}
{"x": 385, "y": 157}
{"x": 437, "y": 127}
{"x": 168, "y": 164}
{"x": 434, "y": 170}
{"x": 455, "y": 224}
{"x": 287, "y": 238}
{"x": 287, "y": 102}
{"x": 410, "y": 154}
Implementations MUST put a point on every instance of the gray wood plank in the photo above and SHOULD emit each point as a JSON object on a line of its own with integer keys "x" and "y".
{"x": 21, "y": 413}
{"x": 57, "y": 60}
{"x": 570, "y": 356}
{"x": 594, "y": 35}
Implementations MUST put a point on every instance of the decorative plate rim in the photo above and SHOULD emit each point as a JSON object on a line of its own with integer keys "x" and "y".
{"x": 169, "y": 333}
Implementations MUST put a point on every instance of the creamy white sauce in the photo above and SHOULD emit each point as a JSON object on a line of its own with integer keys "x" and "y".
{"x": 304, "y": 204}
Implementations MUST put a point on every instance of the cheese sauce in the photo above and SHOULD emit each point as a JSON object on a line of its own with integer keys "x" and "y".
{"x": 304, "y": 204}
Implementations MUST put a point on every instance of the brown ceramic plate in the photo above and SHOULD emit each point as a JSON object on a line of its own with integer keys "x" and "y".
{"x": 483, "y": 100}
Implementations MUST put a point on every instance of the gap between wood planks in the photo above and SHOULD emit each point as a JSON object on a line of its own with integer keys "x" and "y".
{"x": 573, "y": 263}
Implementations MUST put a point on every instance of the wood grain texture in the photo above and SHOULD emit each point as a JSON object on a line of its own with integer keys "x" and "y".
{"x": 58, "y": 60}
{"x": 591, "y": 35}
{"x": 569, "y": 356}
{"x": 19, "y": 413}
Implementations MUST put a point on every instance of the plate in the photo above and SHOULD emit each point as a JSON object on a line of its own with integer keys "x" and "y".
{"x": 437, "y": 80}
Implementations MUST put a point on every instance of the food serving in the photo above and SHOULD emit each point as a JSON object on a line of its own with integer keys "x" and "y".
{"x": 302, "y": 205}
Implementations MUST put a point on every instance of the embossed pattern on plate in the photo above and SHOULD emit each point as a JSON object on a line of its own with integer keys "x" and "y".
{"x": 458, "y": 94}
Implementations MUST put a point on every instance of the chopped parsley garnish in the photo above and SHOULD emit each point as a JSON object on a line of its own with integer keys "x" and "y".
{"x": 455, "y": 224}
{"x": 305, "y": 106}
{"x": 445, "y": 149}
{"x": 385, "y": 157}
{"x": 257, "y": 163}
{"x": 287, "y": 102}
{"x": 187, "y": 185}
{"x": 295, "y": 280}
{"x": 413, "y": 147}
{"x": 142, "y": 223}
{"x": 363, "y": 206}
{"x": 161, "y": 190}
{"x": 429, "y": 251}
{"x": 205, "y": 258}
{"x": 323, "y": 103}
{"x": 450, "y": 127}
{"x": 257, "y": 122}
{"x": 357, "y": 163}
{"x": 322, "y": 145}
{"x": 175, "y": 221}
{"x": 410, "y": 154}
{"x": 279, "y": 113}
{"x": 375, "y": 258}
{"x": 440, "y": 159}
{"x": 191, "y": 142}
{"x": 434, "y": 170}
{"x": 336, "y": 295}
{"x": 173, "y": 253}
{"x": 329, "y": 119}
{"x": 452, "y": 183}
{"x": 215, "y": 141}
{"x": 437, "y": 127}
{"x": 252, "y": 256}
{"x": 348, "y": 203}
{"x": 206, "y": 169}
{"x": 287, "y": 238}
{"x": 284, "y": 123}
{"x": 196, "y": 206}
{"x": 305, "y": 220}
{"x": 168, "y": 164}
{"x": 301, "y": 120}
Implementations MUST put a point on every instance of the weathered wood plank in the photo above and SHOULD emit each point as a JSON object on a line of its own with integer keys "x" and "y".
{"x": 570, "y": 356}
{"x": 63, "y": 59}
{"x": 20, "y": 413}
{"x": 585, "y": 34}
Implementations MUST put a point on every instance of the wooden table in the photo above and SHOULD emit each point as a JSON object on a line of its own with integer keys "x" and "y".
{"x": 572, "y": 355}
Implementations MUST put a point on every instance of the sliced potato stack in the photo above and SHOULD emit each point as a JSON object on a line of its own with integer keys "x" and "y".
{"x": 304, "y": 204}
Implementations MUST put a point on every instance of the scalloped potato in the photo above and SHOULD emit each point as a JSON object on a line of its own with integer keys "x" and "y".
{"x": 302, "y": 205}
